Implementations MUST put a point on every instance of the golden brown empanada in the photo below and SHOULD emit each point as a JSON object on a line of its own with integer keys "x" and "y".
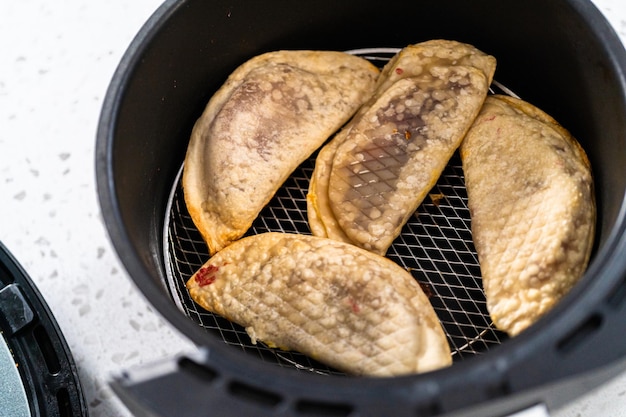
{"x": 378, "y": 169}
{"x": 337, "y": 303}
{"x": 532, "y": 209}
{"x": 269, "y": 116}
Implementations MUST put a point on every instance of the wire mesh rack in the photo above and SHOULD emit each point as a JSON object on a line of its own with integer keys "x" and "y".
{"x": 435, "y": 246}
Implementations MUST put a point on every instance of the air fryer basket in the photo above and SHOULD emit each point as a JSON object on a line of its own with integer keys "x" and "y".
{"x": 560, "y": 55}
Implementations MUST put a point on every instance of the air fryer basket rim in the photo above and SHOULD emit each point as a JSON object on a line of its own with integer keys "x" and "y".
{"x": 110, "y": 208}
{"x": 588, "y": 302}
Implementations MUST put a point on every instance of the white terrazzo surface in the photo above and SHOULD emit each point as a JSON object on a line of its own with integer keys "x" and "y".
{"x": 56, "y": 60}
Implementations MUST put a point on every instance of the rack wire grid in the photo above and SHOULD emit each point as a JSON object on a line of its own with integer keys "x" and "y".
{"x": 435, "y": 246}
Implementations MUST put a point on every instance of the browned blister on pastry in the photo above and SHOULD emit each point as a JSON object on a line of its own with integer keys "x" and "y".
{"x": 532, "y": 209}
{"x": 269, "y": 116}
{"x": 339, "y": 304}
{"x": 393, "y": 151}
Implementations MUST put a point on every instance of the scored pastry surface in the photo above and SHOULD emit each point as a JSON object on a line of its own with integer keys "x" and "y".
{"x": 532, "y": 209}
{"x": 269, "y": 116}
{"x": 380, "y": 167}
{"x": 339, "y": 304}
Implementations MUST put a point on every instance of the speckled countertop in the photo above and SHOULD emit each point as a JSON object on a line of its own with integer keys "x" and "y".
{"x": 56, "y": 60}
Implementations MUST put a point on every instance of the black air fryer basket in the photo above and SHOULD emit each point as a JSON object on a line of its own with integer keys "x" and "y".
{"x": 560, "y": 55}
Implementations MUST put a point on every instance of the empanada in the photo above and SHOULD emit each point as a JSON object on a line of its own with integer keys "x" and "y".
{"x": 532, "y": 209}
{"x": 393, "y": 151}
{"x": 337, "y": 303}
{"x": 269, "y": 116}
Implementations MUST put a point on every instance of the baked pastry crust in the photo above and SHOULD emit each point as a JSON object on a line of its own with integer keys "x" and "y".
{"x": 532, "y": 208}
{"x": 269, "y": 116}
{"x": 339, "y": 304}
{"x": 375, "y": 173}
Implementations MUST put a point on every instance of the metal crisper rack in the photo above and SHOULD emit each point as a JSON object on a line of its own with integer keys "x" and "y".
{"x": 435, "y": 246}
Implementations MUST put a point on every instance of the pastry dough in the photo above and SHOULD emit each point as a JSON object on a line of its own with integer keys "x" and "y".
{"x": 375, "y": 173}
{"x": 268, "y": 117}
{"x": 532, "y": 209}
{"x": 339, "y": 304}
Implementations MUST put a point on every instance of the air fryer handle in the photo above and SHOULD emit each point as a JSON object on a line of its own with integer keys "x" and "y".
{"x": 174, "y": 387}
{"x": 185, "y": 386}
